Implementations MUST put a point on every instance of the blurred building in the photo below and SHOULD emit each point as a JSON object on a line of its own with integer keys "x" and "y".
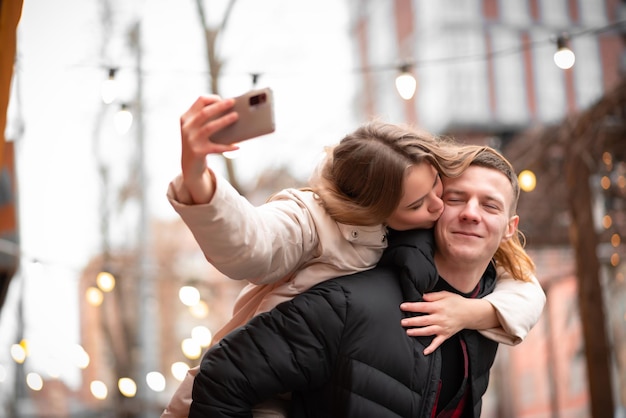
{"x": 485, "y": 73}
{"x": 484, "y": 66}
{"x": 109, "y": 327}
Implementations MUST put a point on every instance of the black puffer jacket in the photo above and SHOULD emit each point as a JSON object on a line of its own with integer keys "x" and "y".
{"x": 340, "y": 349}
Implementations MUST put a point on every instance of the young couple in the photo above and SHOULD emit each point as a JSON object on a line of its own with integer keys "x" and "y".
{"x": 412, "y": 327}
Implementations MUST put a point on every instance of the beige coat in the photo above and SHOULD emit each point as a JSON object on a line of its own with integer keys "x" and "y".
{"x": 290, "y": 244}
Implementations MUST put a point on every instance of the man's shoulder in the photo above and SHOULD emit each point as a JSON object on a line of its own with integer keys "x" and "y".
{"x": 377, "y": 276}
{"x": 363, "y": 287}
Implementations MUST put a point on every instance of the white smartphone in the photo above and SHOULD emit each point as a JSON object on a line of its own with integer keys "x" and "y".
{"x": 256, "y": 117}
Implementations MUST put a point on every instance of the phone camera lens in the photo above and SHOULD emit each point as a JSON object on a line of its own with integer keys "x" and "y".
{"x": 258, "y": 99}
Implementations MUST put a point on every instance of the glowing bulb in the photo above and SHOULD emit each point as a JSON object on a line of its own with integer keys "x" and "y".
{"x": 156, "y": 381}
{"x": 527, "y": 180}
{"x": 564, "y": 58}
{"x": 615, "y": 240}
{"x": 34, "y": 381}
{"x": 80, "y": 357}
{"x": 406, "y": 83}
{"x": 179, "y": 370}
{"x": 99, "y": 389}
{"x": 123, "y": 120}
{"x": 202, "y": 335}
{"x": 105, "y": 281}
{"x": 189, "y": 295}
{"x": 108, "y": 91}
{"x": 191, "y": 348}
{"x": 18, "y": 353}
{"x": 605, "y": 182}
{"x": 127, "y": 387}
{"x": 199, "y": 310}
{"x": 94, "y": 296}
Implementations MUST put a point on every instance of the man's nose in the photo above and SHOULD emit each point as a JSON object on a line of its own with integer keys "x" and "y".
{"x": 470, "y": 211}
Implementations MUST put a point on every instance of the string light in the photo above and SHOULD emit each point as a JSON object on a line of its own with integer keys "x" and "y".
{"x": 202, "y": 335}
{"x": 564, "y": 58}
{"x": 156, "y": 381}
{"x": 94, "y": 296}
{"x": 99, "y": 389}
{"x": 199, "y": 310}
{"x": 127, "y": 387}
{"x": 615, "y": 240}
{"x": 615, "y": 259}
{"x": 80, "y": 357}
{"x": 18, "y": 353}
{"x": 108, "y": 90}
{"x": 191, "y": 348}
{"x": 34, "y": 381}
{"x": 405, "y": 82}
{"x": 189, "y": 295}
{"x": 179, "y": 370}
{"x": 527, "y": 180}
{"x": 123, "y": 119}
{"x": 105, "y": 281}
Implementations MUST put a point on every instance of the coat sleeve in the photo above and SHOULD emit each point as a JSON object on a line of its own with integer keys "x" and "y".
{"x": 292, "y": 347}
{"x": 261, "y": 244}
{"x": 518, "y": 306}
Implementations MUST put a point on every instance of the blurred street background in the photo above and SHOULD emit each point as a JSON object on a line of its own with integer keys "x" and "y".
{"x": 105, "y": 298}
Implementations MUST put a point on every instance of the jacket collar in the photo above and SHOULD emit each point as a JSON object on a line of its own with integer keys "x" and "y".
{"x": 411, "y": 255}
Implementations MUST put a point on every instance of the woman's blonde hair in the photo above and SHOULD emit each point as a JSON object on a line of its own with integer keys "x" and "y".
{"x": 361, "y": 181}
{"x": 511, "y": 254}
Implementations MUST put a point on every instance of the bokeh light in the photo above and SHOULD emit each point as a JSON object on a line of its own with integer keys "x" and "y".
{"x": 156, "y": 381}
{"x": 127, "y": 387}
{"x": 179, "y": 370}
{"x": 189, "y": 295}
{"x": 99, "y": 389}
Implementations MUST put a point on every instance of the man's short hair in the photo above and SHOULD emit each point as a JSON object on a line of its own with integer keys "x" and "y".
{"x": 490, "y": 158}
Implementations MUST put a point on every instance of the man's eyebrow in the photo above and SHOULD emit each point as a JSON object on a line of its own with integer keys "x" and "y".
{"x": 416, "y": 201}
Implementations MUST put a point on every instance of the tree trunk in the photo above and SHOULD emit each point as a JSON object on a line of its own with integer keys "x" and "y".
{"x": 591, "y": 304}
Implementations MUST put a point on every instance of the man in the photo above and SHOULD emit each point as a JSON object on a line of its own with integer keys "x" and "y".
{"x": 340, "y": 349}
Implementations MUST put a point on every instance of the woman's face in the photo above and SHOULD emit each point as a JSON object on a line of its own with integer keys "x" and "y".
{"x": 421, "y": 204}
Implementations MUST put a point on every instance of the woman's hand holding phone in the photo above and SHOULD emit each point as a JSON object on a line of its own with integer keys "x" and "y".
{"x": 213, "y": 125}
{"x": 206, "y": 116}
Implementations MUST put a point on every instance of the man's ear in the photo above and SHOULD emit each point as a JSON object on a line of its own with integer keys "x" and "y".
{"x": 511, "y": 228}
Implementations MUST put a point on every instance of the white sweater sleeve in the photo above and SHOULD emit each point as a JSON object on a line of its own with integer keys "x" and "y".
{"x": 257, "y": 243}
{"x": 518, "y": 305}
